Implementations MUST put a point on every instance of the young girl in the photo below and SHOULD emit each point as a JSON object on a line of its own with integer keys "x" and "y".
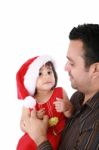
{"x": 37, "y": 79}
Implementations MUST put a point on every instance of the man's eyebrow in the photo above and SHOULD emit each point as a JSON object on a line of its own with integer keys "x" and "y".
{"x": 69, "y": 58}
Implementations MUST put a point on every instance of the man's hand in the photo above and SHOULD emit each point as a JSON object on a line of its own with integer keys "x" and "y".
{"x": 40, "y": 113}
{"x": 36, "y": 128}
{"x": 24, "y": 114}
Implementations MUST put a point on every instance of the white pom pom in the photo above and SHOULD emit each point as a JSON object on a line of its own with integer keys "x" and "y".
{"x": 29, "y": 102}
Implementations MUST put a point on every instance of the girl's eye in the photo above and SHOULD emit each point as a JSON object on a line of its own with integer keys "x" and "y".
{"x": 40, "y": 73}
{"x": 49, "y": 72}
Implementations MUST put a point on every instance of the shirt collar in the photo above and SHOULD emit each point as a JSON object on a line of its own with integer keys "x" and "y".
{"x": 93, "y": 102}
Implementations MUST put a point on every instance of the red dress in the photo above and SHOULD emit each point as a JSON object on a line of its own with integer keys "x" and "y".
{"x": 54, "y": 131}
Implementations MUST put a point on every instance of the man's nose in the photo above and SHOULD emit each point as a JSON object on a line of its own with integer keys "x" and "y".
{"x": 67, "y": 67}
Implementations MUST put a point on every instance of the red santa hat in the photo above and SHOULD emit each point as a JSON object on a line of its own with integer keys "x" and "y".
{"x": 27, "y": 75}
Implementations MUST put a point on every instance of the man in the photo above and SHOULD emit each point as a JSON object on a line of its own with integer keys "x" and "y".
{"x": 82, "y": 130}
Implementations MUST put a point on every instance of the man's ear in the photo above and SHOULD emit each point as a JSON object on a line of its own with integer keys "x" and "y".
{"x": 94, "y": 70}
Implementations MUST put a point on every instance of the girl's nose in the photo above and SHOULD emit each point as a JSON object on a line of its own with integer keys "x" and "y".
{"x": 46, "y": 76}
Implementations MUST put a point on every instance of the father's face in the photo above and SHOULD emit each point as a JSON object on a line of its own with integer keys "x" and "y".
{"x": 79, "y": 75}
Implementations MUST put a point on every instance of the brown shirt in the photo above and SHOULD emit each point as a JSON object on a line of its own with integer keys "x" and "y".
{"x": 82, "y": 130}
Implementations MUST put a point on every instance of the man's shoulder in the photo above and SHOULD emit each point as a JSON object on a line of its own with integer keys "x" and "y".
{"x": 77, "y": 98}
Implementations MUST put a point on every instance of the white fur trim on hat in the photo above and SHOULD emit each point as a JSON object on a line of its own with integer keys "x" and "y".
{"x": 33, "y": 72}
{"x": 29, "y": 102}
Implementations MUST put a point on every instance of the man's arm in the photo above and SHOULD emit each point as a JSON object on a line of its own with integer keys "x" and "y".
{"x": 45, "y": 146}
{"x": 36, "y": 129}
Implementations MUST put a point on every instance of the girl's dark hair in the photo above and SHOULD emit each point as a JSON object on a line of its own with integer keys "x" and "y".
{"x": 89, "y": 35}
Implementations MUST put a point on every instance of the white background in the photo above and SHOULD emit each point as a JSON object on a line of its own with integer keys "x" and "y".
{"x": 29, "y": 28}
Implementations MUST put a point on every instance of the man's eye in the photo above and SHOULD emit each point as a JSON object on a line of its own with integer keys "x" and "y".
{"x": 72, "y": 64}
{"x": 40, "y": 73}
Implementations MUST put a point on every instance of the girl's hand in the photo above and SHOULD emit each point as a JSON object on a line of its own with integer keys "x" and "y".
{"x": 60, "y": 105}
{"x": 64, "y": 106}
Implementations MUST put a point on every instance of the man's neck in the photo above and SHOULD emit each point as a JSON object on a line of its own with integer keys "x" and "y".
{"x": 89, "y": 95}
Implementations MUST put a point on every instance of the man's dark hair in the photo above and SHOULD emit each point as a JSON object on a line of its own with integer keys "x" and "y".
{"x": 89, "y": 35}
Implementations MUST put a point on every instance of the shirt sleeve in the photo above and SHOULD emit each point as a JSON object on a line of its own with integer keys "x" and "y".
{"x": 45, "y": 146}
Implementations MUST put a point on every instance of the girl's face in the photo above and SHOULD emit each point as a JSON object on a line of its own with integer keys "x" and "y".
{"x": 46, "y": 79}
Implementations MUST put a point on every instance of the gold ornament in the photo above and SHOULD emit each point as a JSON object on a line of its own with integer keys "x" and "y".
{"x": 53, "y": 121}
